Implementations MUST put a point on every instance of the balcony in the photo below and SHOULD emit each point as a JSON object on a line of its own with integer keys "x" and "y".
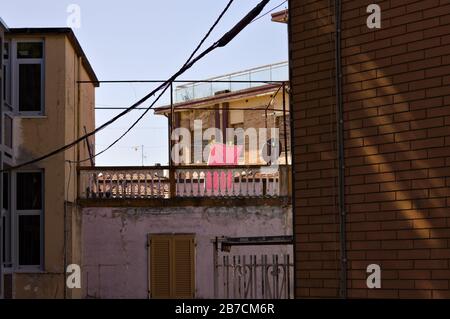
{"x": 242, "y": 80}
{"x": 161, "y": 183}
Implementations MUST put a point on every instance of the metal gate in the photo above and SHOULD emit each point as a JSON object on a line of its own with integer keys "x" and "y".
{"x": 253, "y": 276}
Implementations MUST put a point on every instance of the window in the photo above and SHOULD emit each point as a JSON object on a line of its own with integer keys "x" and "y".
{"x": 30, "y": 88}
{"x": 29, "y": 240}
{"x": 23, "y": 73}
{"x": 22, "y": 220}
{"x": 30, "y": 50}
{"x": 29, "y": 72}
{"x": 6, "y": 50}
{"x": 29, "y": 191}
{"x": 6, "y": 222}
{"x": 6, "y": 75}
{"x": 29, "y": 207}
{"x": 172, "y": 266}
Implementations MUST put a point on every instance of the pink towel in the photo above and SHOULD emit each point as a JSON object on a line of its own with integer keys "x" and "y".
{"x": 220, "y": 155}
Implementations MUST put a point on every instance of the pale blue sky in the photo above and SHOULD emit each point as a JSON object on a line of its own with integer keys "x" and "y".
{"x": 147, "y": 39}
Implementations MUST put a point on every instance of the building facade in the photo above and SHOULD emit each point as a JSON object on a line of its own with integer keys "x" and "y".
{"x": 197, "y": 229}
{"x": 44, "y": 108}
{"x": 141, "y": 252}
{"x": 246, "y": 110}
{"x": 3, "y": 29}
{"x": 395, "y": 163}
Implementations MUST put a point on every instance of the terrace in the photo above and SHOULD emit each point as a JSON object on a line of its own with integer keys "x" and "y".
{"x": 160, "y": 183}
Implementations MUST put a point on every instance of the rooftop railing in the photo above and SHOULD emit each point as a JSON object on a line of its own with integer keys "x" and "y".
{"x": 233, "y": 82}
{"x": 160, "y": 182}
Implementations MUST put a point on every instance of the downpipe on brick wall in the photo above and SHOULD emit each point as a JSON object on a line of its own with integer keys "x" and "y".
{"x": 341, "y": 155}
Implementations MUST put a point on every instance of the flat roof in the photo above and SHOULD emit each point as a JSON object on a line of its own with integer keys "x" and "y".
{"x": 68, "y": 32}
{"x": 223, "y": 97}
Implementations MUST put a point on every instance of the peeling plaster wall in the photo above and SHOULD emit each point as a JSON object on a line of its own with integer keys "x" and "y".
{"x": 115, "y": 256}
{"x": 38, "y": 286}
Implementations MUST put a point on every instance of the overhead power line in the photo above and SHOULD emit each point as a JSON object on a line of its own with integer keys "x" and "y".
{"x": 270, "y": 11}
{"x": 222, "y": 42}
{"x": 184, "y": 81}
{"x": 164, "y": 90}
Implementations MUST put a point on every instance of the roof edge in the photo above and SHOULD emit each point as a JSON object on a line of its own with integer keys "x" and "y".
{"x": 225, "y": 96}
{"x": 3, "y": 23}
{"x": 73, "y": 40}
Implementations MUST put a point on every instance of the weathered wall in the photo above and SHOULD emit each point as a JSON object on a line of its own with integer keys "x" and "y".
{"x": 68, "y": 108}
{"x": 114, "y": 242}
{"x": 397, "y": 147}
{"x": 79, "y": 119}
{"x": 36, "y": 136}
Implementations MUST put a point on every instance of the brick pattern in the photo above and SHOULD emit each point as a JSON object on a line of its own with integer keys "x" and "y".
{"x": 397, "y": 147}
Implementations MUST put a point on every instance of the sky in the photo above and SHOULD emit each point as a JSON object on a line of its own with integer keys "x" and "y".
{"x": 147, "y": 39}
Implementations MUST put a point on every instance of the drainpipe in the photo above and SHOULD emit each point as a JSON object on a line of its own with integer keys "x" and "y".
{"x": 341, "y": 155}
{"x": 216, "y": 267}
{"x": 285, "y": 127}
{"x": 172, "y": 125}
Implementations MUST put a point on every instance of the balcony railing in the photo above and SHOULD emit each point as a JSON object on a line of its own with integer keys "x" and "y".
{"x": 237, "y": 81}
{"x": 183, "y": 182}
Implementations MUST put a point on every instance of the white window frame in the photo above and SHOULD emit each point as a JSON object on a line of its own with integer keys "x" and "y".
{"x": 7, "y": 79}
{"x": 16, "y": 62}
{"x": 8, "y": 264}
{"x": 15, "y": 227}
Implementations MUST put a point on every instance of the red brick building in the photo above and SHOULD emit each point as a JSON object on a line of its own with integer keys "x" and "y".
{"x": 396, "y": 148}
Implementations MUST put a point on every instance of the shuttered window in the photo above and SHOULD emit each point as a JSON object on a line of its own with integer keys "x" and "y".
{"x": 171, "y": 261}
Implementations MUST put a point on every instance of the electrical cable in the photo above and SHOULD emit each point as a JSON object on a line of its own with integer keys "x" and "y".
{"x": 165, "y": 88}
{"x": 222, "y": 42}
{"x": 270, "y": 11}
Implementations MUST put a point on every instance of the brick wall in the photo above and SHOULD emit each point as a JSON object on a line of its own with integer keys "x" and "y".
{"x": 397, "y": 146}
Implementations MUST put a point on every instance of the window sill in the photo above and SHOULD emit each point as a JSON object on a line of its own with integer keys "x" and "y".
{"x": 8, "y": 271}
{"x": 25, "y": 116}
{"x": 24, "y": 271}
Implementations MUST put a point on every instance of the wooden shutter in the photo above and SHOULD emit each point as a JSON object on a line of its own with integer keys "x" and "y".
{"x": 172, "y": 266}
{"x": 160, "y": 281}
{"x": 217, "y": 118}
{"x": 177, "y": 120}
{"x": 183, "y": 266}
{"x": 225, "y": 120}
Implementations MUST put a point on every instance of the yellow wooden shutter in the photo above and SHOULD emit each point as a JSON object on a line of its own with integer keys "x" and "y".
{"x": 183, "y": 266}
{"x": 160, "y": 270}
{"x": 172, "y": 266}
